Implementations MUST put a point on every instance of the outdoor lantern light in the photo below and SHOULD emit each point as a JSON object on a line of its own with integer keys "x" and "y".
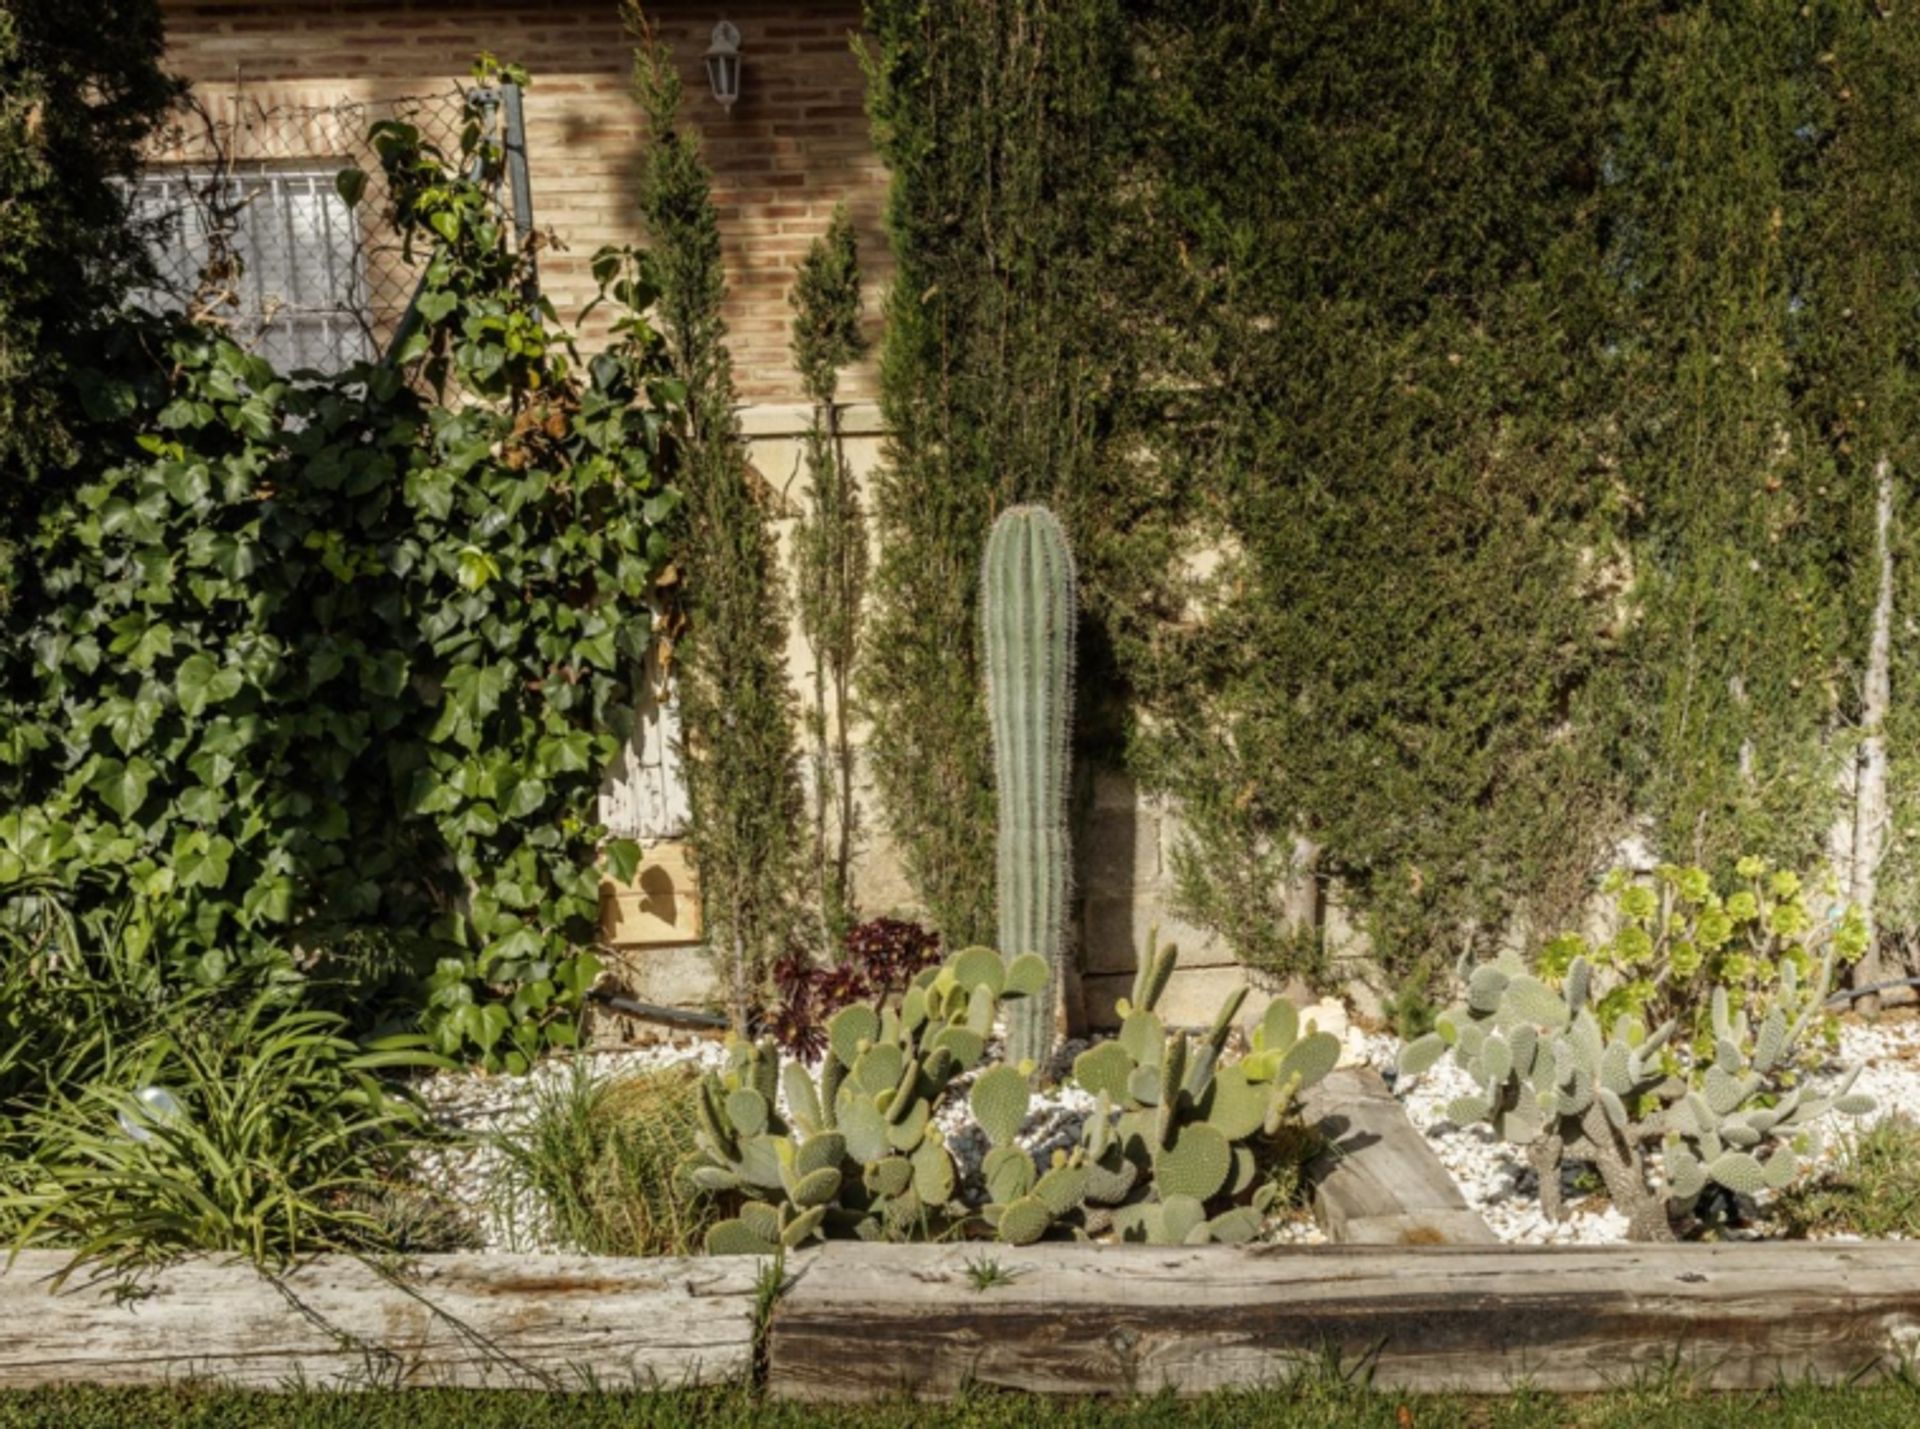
{"x": 723, "y": 64}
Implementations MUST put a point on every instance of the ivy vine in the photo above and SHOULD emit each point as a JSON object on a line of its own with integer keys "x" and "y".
{"x": 323, "y": 663}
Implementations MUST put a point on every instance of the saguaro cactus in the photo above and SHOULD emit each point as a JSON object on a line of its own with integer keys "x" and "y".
{"x": 1029, "y": 616}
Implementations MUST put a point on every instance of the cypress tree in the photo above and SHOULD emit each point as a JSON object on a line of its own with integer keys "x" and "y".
{"x": 1366, "y": 590}
{"x": 996, "y": 120}
{"x": 831, "y": 547}
{"x": 736, "y": 706}
{"x": 81, "y": 87}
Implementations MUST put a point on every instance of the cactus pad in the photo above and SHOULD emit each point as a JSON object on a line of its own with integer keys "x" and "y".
{"x": 1781, "y": 1168}
{"x": 1008, "y": 1172}
{"x": 748, "y": 1111}
{"x": 966, "y": 1047}
{"x": 1496, "y": 1060}
{"x": 1234, "y": 1106}
{"x": 1234, "y": 1227}
{"x": 1279, "y": 1027}
{"x": 1178, "y": 1219}
{"x": 1195, "y": 1164}
{"x": 889, "y": 1176}
{"x": 933, "y": 1179}
{"x": 734, "y": 1238}
{"x": 851, "y": 1026}
{"x": 806, "y": 1224}
{"x": 816, "y": 1188}
{"x": 1465, "y": 1111}
{"x": 1000, "y": 1100}
{"x": 1062, "y": 1189}
{"x": 1111, "y": 1178}
{"x": 907, "y": 1131}
{"x": 1421, "y": 1053}
{"x": 1310, "y": 1059}
{"x": 1527, "y": 999}
{"x": 829, "y": 1148}
{"x": 979, "y": 967}
{"x": 1738, "y": 1172}
{"x": 1104, "y": 1067}
{"x": 1027, "y": 976}
{"x": 864, "y": 1127}
{"x": 1024, "y": 1221}
{"x": 1143, "y": 1036}
{"x": 1143, "y": 1085}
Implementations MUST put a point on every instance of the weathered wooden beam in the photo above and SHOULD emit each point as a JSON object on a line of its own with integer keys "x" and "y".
{"x": 870, "y": 1320}
{"x": 1380, "y": 1183}
{"x": 336, "y": 1322}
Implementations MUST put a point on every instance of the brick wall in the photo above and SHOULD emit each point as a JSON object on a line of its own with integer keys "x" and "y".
{"x": 794, "y": 146}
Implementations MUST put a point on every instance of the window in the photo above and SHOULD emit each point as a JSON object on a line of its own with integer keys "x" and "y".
{"x": 301, "y": 297}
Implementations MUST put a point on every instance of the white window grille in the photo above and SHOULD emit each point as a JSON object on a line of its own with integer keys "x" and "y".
{"x": 300, "y": 297}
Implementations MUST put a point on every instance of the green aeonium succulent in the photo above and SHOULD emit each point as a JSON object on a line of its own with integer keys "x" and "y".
{"x": 1679, "y": 935}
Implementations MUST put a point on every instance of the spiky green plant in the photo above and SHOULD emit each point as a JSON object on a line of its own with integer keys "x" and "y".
{"x": 599, "y": 1157}
{"x": 273, "y": 1132}
{"x": 1183, "y": 1161}
{"x": 1029, "y": 619}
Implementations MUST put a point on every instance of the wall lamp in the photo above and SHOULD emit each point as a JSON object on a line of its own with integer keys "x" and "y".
{"x": 723, "y": 65}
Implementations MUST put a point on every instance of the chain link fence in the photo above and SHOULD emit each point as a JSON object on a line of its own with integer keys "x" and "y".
{"x": 247, "y": 225}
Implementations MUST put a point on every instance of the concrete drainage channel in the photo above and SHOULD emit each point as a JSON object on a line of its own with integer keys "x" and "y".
{"x": 1415, "y": 1291}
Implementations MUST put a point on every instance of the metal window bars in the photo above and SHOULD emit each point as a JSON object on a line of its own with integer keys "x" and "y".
{"x": 248, "y": 228}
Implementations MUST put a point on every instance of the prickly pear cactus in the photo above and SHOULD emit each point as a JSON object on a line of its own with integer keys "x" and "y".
{"x": 1190, "y": 1126}
{"x": 1551, "y": 1080}
{"x": 853, "y": 1149}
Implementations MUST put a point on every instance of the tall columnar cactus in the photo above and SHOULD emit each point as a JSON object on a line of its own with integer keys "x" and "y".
{"x": 1029, "y": 617}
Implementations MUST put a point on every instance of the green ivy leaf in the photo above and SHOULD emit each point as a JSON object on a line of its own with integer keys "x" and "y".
{"x": 122, "y": 787}
{"x": 199, "y": 682}
{"x": 623, "y": 859}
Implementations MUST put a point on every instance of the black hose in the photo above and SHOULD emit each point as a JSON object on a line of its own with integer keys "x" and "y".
{"x": 1852, "y": 995}
{"x": 652, "y": 1012}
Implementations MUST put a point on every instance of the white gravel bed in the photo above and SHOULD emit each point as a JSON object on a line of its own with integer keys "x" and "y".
{"x": 1497, "y": 1183}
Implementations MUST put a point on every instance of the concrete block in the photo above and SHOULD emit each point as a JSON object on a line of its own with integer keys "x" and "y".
{"x": 1119, "y": 852}
{"x": 1114, "y": 933}
{"x": 684, "y": 977}
{"x": 1192, "y": 998}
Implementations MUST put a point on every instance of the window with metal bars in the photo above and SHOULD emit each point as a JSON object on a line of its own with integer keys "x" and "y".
{"x": 297, "y": 294}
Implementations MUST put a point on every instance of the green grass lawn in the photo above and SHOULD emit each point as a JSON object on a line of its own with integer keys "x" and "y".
{"x": 1319, "y": 1404}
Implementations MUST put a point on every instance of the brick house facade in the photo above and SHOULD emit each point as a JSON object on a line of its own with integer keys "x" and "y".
{"x": 795, "y": 145}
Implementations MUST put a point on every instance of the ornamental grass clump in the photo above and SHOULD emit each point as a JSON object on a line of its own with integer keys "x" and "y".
{"x": 595, "y": 1167}
{"x": 263, "y": 1131}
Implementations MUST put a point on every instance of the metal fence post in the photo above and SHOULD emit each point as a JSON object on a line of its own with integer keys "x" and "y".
{"x": 521, "y": 184}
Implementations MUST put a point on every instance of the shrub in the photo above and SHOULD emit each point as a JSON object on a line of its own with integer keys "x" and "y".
{"x": 1194, "y": 1153}
{"x": 737, "y": 708}
{"x": 1679, "y": 938}
{"x": 881, "y": 956}
{"x": 1552, "y": 1078}
{"x": 81, "y": 87}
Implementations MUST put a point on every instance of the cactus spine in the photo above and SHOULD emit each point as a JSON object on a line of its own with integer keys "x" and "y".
{"x": 1029, "y": 617}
